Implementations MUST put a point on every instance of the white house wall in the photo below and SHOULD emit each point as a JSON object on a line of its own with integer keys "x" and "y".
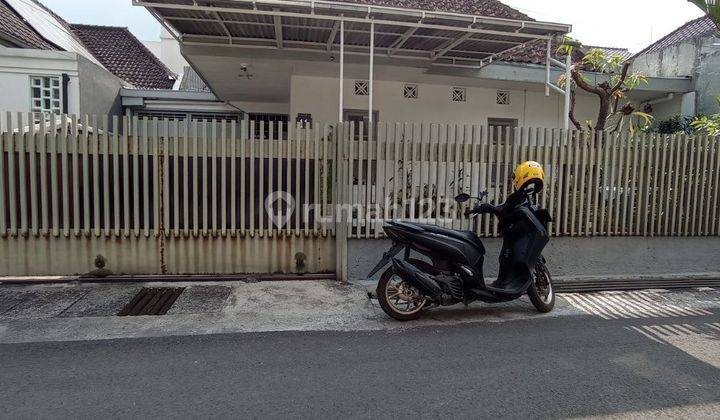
{"x": 674, "y": 61}
{"x": 18, "y": 65}
{"x": 170, "y": 53}
{"x": 319, "y": 96}
{"x": 699, "y": 59}
{"x": 667, "y": 109}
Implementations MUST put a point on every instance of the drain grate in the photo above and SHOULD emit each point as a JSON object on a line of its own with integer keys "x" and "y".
{"x": 152, "y": 301}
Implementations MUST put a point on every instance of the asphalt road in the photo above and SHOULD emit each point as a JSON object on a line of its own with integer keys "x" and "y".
{"x": 561, "y": 367}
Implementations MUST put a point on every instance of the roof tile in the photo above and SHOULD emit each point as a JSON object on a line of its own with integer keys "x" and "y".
{"x": 699, "y": 27}
{"x": 125, "y": 56}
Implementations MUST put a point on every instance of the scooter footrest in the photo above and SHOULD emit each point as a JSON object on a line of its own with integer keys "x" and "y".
{"x": 504, "y": 291}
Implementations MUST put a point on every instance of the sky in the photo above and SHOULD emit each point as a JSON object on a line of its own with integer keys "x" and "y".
{"x": 632, "y": 24}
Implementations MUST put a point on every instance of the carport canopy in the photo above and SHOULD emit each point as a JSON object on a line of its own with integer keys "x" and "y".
{"x": 441, "y": 38}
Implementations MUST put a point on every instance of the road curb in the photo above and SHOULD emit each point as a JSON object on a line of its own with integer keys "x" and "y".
{"x": 570, "y": 284}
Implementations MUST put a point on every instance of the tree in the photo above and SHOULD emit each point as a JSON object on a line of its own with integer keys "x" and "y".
{"x": 611, "y": 89}
{"x": 711, "y": 7}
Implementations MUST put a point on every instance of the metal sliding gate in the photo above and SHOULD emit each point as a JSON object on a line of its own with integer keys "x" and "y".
{"x": 166, "y": 196}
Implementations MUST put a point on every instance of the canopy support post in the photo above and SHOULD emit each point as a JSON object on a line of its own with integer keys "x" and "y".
{"x": 371, "y": 75}
{"x": 550, "y": 86}
{"x": 342, "y": 70}
{"x": 547, "y": 68}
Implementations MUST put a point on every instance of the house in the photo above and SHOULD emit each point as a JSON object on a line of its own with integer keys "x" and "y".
{"x": 168, "y": 51}
{"x": 691, "y": 51}
{"x": 48, "y": 66}
{"x": 466, "y": 62}
{"x": 152, "y": 89}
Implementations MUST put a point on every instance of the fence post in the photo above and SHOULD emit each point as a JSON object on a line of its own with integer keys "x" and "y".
{"x": 340, "y": 186}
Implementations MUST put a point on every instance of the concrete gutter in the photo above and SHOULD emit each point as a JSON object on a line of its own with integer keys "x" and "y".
{"x": 195, "y": 278}
{"x": 563, "y": 283}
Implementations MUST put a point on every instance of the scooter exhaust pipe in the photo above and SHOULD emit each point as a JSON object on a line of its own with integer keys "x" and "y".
{"x": 423, "y": 281}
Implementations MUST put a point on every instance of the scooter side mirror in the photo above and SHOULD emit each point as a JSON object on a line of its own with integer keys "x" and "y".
{"x": 462, "y": 198}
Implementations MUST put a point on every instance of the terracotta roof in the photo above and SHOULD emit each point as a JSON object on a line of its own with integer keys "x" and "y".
{"x": 492, "y": 8}
{"x": 700, "y": 27}
{"x": 16, "y": 30}
{"x": 125, "y": 56}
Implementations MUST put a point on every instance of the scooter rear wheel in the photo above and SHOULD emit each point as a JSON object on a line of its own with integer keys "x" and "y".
{"x": 542, "y": 293}
{"x": 398, "y": 298}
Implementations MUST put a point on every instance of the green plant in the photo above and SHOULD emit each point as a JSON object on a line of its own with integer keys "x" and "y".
{"x": 708, "y": 124}
{"x": 672, "y": 125}
{"x": 615, "y": 109}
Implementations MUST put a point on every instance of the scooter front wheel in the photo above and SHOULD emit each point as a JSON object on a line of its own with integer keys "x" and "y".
{"x": 398, "y": 298}
{"x": 542, "y": 293}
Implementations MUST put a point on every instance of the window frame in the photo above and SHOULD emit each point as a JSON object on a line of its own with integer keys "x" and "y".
{"x": 52, "y": 110}
{"x": 283, "y": 119}
{"x": 511, "y": 124}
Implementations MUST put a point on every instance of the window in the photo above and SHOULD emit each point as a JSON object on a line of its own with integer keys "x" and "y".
{"x": 237, "y": 117}
{"x": 360, "y": 118}
{"x": 195, "y": 121}
{"x": 458, "y": 94}
{"x": 46, "y": 94}
{"x": 362, "y": 88}
{"x": 410, "y": 91}
{"x": 502, "y": 130}
{"x": 179, "y": 116}
{"x": 305, "y": 120}
{"x": 503, "y": 97}
{"x": 268, "y": 119}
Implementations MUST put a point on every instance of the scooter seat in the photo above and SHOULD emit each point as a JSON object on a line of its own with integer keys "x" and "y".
{"x": 464, "y": 235}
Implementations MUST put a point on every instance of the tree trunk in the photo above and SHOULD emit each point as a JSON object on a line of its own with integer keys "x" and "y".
{"x": 603, "y": 113}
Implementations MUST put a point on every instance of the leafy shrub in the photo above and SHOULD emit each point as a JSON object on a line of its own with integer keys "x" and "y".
{"x": 676, "y": 124}
{"x": 708, "y": 124}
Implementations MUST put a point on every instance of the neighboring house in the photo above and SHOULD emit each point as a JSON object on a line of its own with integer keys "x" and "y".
{"x": 692, "y": 51}
{"x": 466, "y": 62}
{"x": 44, "y": 69}
{"x": 125, "y": 56}
{"x": 190, "y": 98}
{"x": 152, "y": 89}
{"x": 168, "y": 51}
{"x": 48, "y": 66}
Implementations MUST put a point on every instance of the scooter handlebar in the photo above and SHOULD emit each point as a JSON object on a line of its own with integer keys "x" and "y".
{"x": 481, "y": 209}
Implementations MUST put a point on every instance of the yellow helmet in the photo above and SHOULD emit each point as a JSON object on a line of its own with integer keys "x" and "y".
{"x": 529, "y": 174}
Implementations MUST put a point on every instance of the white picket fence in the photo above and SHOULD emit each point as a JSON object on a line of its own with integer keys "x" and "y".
{"x": 597, "y": 184}
{"x": 130, "y": 176}
{"x": 124, "y": 177}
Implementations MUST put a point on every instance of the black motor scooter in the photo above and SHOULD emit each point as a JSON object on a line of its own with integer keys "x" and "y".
{"x": 455, "y": 275}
